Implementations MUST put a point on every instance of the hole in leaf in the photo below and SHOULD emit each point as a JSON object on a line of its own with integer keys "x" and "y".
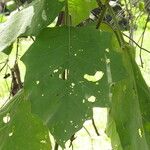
{"x": 43, "y": 141}
{"x": 76, "y": 126}
{"x": 107, "y": 50}
{"x": 80, "y": 50}
{"x": 83, "y": 101}
{"x": 66, "y": 74}
{"x": 71, "y": 122}
{"x": 107, "y": 61}
{"x": 6, "y": 118}
{"x": 140, "y": 132}
{"x": 92, "y": 99}
{"x": 60, "y": 76}
{"x": 56, "y": 70}
{"x": 94, "y": 78}
{"x": 10, "y": 134}
{"x": 37, "y": 82}
{"x": 72, "y": 85}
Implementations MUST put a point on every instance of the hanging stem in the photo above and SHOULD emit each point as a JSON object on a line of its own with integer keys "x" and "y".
{"x": 101, "y": 17}
{"x": 136, "y": 43}
{"x": 71, "y": 140}
{"x": 143, "y": 40}
{"x": 95, "y": 128}
{"x": 102, "y": 14}
{"x": 67, "y": 19}
{"x": 56, "y": 146}
{"x": 118, "y": 30}
{"x": 61, "y": 18}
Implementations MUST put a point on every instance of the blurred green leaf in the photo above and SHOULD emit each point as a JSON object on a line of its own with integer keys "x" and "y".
{"x": 2, "y": 18}
{"x": 29, "y": 21}
{"x": 19, "y": 129}
{"x": 130, "y": 108}
{"x": 11, "y": 6}
{"x": 45, "y": 11}
{"x": 80, "y": 9}
{"x": 141, "y": 6}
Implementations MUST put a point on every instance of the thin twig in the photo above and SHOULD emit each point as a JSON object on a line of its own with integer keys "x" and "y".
{"x": 118, "y": 30}
{"x": 4, "y": 65}
{"x": 32, "y": 38}
{"x": 56, "y": 146}
{"x": 95, "y": 128}
{"x": 9, "y": 90}
{"x": 17, "y": 50}
{"x": 71, "y": 141}
{"x": 136, "y": 43}
{"x": 102, "y": 14}
{"x": 140, "y": 55}
{"x": 16, "y": 84}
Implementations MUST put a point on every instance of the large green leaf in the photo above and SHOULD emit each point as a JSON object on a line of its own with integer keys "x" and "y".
{"x": 130, "y": 109}
{"x": 80, "y": 9}
{"x": 86, "y": 54}
{"x": 144, "y": 100}
{"x": 19, "y": 129}
{"x": 29, "y": 21}
{"x": 113, "y": 134}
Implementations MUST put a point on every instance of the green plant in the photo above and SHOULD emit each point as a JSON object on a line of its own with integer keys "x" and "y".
{"x": 70, "y": 70}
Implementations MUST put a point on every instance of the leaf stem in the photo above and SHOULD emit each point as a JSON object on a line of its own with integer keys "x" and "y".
{"x": 95, "y": 128}
{"x": 103, "y": 11}
{"x": 136, "y": 43}
{"x": 140, "y": 55}
{"x": 67, "y": 19}
{"x": 56, "y": 146}
{"x": 118, "y": 30}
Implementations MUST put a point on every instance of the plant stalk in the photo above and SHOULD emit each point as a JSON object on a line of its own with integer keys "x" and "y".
{"x": 103, "y": 11}
{"x": 118, "y": 30}
{"x": 67, "y": 19}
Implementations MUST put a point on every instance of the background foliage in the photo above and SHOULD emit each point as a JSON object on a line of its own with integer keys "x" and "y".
{"x": 61, "y": 60}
